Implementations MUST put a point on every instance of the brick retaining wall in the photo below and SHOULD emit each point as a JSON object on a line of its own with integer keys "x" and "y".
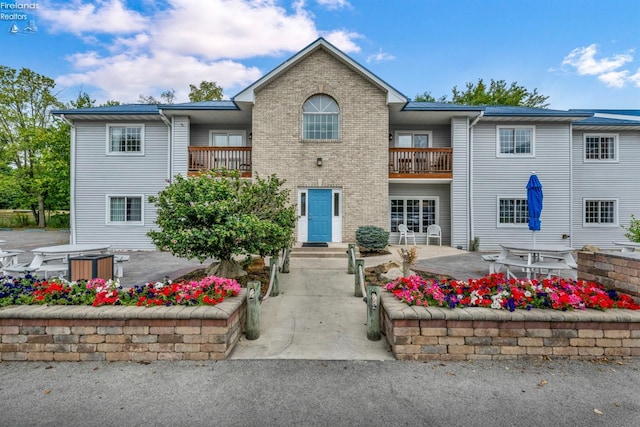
{"x": 612, "y": 269}
{"x": 73, "y": 333}
{"x": 433, "y": 333}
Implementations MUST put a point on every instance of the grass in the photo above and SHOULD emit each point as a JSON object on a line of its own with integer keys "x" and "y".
{"x": 22, "y": 218}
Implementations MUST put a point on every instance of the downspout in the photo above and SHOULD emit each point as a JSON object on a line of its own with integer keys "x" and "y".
{"x": 169, "y": 150}
{"x": 72, "y": 178}
{"x": 571, "y": 184}
{"x": 470, "y": 192}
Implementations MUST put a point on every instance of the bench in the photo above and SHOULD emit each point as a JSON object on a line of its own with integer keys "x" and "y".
{"x": 541, "y": 267}
{"x": 118, "y": 266}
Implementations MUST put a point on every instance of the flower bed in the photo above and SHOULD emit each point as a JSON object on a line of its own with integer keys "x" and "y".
{"x": 97, "y": 320}
{"x": 97, "y": 292}
{"x": 496, "y": 291}
{"x": 424, "y": 319}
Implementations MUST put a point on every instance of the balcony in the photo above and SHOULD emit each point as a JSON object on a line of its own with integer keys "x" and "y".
{"x": 230, "y": 158}
{"x": 420, "y": 163}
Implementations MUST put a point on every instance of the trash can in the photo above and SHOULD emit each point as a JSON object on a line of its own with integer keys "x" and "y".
{"x": 89, "y": 267}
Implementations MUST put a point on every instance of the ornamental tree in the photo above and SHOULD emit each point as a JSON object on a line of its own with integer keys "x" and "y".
{"x": 220, "y": 215}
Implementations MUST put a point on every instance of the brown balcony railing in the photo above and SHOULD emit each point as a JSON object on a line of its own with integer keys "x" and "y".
{"x": 420, "y": 162}
{"x": 231, "y": 158}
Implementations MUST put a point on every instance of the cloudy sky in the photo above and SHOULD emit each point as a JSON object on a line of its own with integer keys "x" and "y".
{"x": 581, "y": 53}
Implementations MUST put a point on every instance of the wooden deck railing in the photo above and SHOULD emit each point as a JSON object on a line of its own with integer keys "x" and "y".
{"x": 403, "y": 162}
{"x": 231, "y": 158}
{"x": 420, "y": 162}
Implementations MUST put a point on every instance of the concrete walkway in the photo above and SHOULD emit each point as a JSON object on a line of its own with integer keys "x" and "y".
{"x": 316, "y": 316}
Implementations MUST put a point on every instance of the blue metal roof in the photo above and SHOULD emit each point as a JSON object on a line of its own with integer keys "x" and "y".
{"x": 113, "y": 109}
{"x": 605, "y": 121}
{"x": 440, "y": 106}
{"x": 492, "y": 110}
{"x": 202, "y": 105}
{"x": 617, "y": 112}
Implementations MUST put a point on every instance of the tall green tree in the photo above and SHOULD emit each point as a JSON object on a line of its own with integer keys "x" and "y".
{"x": 31, "y": 141}
{"x": 207, "y": 91}
{"x": 498, "y": 92}
{"x": 220, "y": 215}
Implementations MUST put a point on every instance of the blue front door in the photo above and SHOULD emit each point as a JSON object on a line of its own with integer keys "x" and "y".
{"x": 319, "y": 216}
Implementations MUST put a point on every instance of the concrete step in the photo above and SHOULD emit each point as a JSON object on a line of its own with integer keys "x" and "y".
{"x": 319, "y": 253}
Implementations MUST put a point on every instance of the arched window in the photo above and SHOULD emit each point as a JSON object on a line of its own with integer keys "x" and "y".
{"x": 320, "y": 118}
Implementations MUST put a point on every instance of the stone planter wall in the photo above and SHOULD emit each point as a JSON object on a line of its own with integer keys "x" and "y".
{"x": 74, "y": 333}
{"x": 419, "y": 333}
{"x": 612, "y": 269}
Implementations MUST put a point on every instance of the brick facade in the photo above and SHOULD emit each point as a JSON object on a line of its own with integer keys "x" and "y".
{"x": 357, "y": 163}
{"x": 433, "y": 333}
{"x": 72, "y": 333}
{"x": 613, "y": 269}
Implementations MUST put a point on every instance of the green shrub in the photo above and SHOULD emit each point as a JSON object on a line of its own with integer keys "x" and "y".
{"x": 633, "y": 231}
{"x": 371, "y": 238}
{"x": 60, "y": 220}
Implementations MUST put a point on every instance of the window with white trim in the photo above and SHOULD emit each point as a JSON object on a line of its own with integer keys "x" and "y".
{"x": 223, "y": 138}
{"x": 416, "y": 139}
{"x": 600, "y": 147}
{"x": 600, "y": 212}
{"x": 320, "y": 118}
{"x": 513, "y": 211}
{"x": 125, "y": 139}
{"x": 417, "y": 213}
{"x": 515, "y": 141}
{"x": 124, "y": 210}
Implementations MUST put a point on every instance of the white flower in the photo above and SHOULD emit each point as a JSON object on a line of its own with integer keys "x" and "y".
{"x": 527, "y": 294}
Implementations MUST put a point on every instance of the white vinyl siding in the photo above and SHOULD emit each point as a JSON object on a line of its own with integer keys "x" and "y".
{"x": 515, "y": 141}
{"x": 512, "y": 212}
{"x": 601, "y": 148}
{"x": 98, "y": 176}
{"x": 600, "y": 213}
{"x": 507, "y": 177}
{"x": 125, "y": 139}
{"x": 124, "y": 209}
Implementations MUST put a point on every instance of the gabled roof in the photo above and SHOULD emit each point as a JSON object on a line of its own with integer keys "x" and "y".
{"x": 248, "y": 94}
{"x": 608, "y": 111}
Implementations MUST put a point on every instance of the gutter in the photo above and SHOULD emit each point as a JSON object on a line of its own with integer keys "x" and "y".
{"x": 169, "y": 147}
{"x": 470, "y": 189}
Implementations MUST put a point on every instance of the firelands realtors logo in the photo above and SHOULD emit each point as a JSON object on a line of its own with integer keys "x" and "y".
{"x": 17, "y": 15}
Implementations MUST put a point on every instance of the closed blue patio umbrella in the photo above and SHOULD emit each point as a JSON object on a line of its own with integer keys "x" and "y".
{"x": 534, "y": 202}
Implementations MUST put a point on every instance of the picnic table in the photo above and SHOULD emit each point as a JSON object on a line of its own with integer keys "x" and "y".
{"x": 628, "y": 247}
{"x": 534, "y": 259}
{"x": 54, "y": 259}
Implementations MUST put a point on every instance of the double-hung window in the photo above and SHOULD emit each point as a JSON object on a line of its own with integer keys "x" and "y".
{"x": 320, "y": 118}
{"x": 512, "y": 212}
{"x": 124, "y": 209}
{"x": 600, "y": 212}
{"x": 515, "y": 141}
{"x": 600, "y": 148}
{"x": 125, "y": 139}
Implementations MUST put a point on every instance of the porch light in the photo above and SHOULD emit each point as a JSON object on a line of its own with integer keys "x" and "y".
{"x": 250, "y": 135}
{"x": 319, "y": 161}
{"x": 390, "y": 137}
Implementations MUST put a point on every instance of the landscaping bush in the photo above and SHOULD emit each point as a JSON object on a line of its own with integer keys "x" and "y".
{"x": 633, "y": 231}
{"x": 371, "y": 238}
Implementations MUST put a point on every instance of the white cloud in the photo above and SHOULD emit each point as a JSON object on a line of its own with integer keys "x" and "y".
{"x": 103, "y": 16}
{"x": 334, "y": 4}
{"x": 635, "y": 78}
{"x": 380, "y": 57}
{"x": 186, "y": 42}
{"x": 584, "y": 60}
